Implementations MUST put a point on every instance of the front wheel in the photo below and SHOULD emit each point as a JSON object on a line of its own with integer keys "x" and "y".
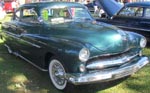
{"x": 57, "y": 72}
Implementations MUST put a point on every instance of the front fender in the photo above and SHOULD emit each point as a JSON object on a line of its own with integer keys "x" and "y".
{"x": 134, "y": 39}
{"x": 67, "y": 51}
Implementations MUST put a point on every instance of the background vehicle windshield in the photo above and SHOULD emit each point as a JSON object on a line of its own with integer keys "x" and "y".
{"x": 79, "y": 13}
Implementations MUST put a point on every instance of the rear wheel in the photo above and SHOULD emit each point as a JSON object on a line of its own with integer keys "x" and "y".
{"x": 57, "y": 72}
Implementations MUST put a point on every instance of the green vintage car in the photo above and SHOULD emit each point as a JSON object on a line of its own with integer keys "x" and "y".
{"x": 63, "y": 39}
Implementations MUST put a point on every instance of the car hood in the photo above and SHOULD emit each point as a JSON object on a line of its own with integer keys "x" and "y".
{"x": 111, "y": 7}
{"x": 104, "y": 37}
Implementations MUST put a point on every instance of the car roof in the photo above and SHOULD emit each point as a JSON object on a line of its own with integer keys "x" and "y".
{"x": 138, "y": 4}
{"x": 45, "y": 4}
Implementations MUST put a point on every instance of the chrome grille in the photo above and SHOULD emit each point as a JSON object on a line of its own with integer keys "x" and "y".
{"x": 110, "y": 61}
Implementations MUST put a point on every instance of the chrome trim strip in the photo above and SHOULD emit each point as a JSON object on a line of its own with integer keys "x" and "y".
{"x": 32, "y": 63}
{"x": 12, "y": 35}
{"x": 18, "y": 37}
{"x": 15, "y": 53}
{"x": 103, "y": 63}
{"x": 8, "y": 48}
{"x": 34, "y": 45}
{"x": 107, "y": 75}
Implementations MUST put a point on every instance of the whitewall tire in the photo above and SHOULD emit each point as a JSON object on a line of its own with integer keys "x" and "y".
{"x": 57, "y": 72}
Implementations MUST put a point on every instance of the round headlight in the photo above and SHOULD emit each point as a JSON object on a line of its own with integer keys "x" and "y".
{"x": 84, "y": 54}
{"x": 143, "y": 42}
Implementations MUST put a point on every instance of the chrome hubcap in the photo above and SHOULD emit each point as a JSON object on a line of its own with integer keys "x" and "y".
{"x": 58, "y": 74}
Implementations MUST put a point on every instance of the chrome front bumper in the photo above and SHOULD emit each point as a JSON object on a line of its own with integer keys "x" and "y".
{"x": 102, "y": 76}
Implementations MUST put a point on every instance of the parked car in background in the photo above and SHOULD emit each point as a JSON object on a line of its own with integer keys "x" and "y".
{"x": 90, "y": 7}
{"x": 99, "y": 13}
{"x": 132, "y": 17}
{"x": 8, "y": 6}
{"x": 63, "y": 39}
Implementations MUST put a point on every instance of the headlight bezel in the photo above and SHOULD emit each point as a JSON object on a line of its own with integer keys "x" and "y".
{"x": 143, "y": 42}
{"x": 84, "y": 54}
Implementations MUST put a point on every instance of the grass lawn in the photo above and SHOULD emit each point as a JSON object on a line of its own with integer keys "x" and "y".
{"x": 18, "y": 76}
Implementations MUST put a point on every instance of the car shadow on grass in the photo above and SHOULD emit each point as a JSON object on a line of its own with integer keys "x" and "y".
{"x": 18, "y": 76}
{"x": 95, "y": 87}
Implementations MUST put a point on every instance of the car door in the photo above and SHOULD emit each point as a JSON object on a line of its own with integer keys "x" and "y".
{"x": 28, "y": 33}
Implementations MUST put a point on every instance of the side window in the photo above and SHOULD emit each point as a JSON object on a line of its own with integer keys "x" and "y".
{"x": 62, "y": 12}
{"x": 49, "y": 14}
{"x": 139, "y": 12}
{"x": 29, "y": 15}
{"x": 147, "y": 12}
{"x": 132, "y": 11}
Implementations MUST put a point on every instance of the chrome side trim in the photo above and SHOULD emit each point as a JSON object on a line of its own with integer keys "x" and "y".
{"x": 32, "y": 44}
{"x": 12, "y": 35}
{"x": 17, "y": 54}
{"x": 107, "y": 75}
{"x": 19, "y": 37}
{"x": 32, "y": 63}
{"x": 8, "y": 48}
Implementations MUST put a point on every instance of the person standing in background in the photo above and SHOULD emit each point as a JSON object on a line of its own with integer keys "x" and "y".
{"x": 95, "y": 5}
{"x": 1, "y": 3}
{"x": 14, "y": 5}
{"x": 21, "y": 2}
{"x": 2, "y": 12}
{"x": 84, "y": 2}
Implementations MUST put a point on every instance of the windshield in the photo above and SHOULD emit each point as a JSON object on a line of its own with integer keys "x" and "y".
{"x": 80, "y": 13}
{"x": 65, "y": 14}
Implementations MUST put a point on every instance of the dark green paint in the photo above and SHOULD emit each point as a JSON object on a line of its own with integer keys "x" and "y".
{"x": 65, "y": 40}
